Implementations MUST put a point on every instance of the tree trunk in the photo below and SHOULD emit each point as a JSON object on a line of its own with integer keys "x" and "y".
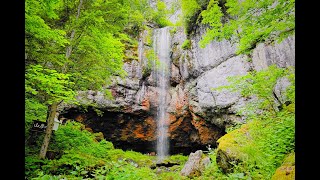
{"x": 69, "y": 48}
{"x": 50, "y": 122}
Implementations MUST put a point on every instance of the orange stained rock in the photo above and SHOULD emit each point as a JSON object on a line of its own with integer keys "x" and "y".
{"x": 145, "y": 104}
{"x": 174, "y": 123}
{"x": 139, "y": 133}
{"x": 206, "y": 135}
{"x": 170, "y": 119}
{"x": 190, "y": 107}
{"x": 126, "y": 131}
{"x": 80, "y": 117}
{"x": 180, "y": 103}
{"x": 185, "y": 127}
{"x": 144, "y": 130}
{"x": 150, "y": 123}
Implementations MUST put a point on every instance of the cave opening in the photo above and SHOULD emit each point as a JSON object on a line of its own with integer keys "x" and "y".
{"x": 114, "y": 124}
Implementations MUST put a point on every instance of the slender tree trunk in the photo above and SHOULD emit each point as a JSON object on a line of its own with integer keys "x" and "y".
{"x": 50, "y": 121}
{"x": 53, "y": 108}
{"x": 69, "y": 48}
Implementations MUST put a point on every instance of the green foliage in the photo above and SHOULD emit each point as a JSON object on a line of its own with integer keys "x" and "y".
{"x": 103, "y": 61}
{"x": 190, "y": 9}
{"x": 233, "y": 127}
{"x": 84, "y": 156}
{"x": 93, "y": 38}
{"x": 172, "y": 174}
{"x": 33, "y": 165}
{"x": 178, "y": 158}
{"x": 152, "y": 63}
{"x": 269, "y": 135}
{"x": 131, "y": 156}
{"x": 186, "y": 44}
{"x": 72, "y": 135}
{"x": 212, "y": 170}
{"x": 173, "y": 30}
{"x": 42, "y": 41}
{"x": 260, "y": 85}
{"x": 271, "y": 138}
{"x": 98, "y": 111}
{"x": 42, "y": 176}
{"x": 212, "y": 16}
{"x": 261, "y": 149}
{"x": 48, "y": 84}
{"x": 160, "y": 15}
{"x": 34, "y": 110}
{"x": 124, "y": 170}
{"x": 138, "y": 13}
{"x": 141, "y": 13}
{"x": 80, "y": 149}
{"x": 290, "y": 92}
{"x": 249, "y": 21}
{"x": 148, "y": 38}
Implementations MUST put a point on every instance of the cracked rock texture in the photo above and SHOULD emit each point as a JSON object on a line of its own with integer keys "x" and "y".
{"x": 197, "y": 114}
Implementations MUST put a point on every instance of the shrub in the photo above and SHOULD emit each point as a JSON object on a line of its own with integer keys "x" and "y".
{"x": 190, "y": 11}
{"x": 186, "y": 44}
{"x": 259, "y": 146}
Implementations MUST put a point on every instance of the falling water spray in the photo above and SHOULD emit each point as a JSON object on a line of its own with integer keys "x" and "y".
{"x": 162, "y": 50}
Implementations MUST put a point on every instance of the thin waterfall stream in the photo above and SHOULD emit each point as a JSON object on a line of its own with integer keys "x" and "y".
{"x": 162, "y": 73}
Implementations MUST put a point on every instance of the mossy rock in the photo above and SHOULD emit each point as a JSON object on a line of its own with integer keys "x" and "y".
{"x": 196, "y": 165}
{"x": 176, "y": 53}
{"x": 287, "y": 170}
{"x": 98, "y": 136}
{"x": 229, "y": 149}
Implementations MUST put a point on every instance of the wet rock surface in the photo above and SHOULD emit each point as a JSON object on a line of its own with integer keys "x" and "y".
{"x": 197, "y": 114}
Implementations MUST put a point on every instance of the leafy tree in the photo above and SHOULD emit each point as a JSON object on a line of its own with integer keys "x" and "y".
{"x": 33, "y": 110}
{"x": 72, "y": 46}
{"x": 50, "y": 87}
{"x": 248, "y": 21}
{"x": 160, "y": 14}
{"x": 138, "y": 13}
{"x": 190, "y": 11}
{"x": 268, "y": 136}
{"x": 260, "y": 85}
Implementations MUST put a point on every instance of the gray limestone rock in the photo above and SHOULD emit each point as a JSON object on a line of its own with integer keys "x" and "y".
{"x": 282, "y": 54}
{"x": 195, "y": 165}
{"x": 204, "y": 59}
{"x": 175, "y": 75}
{"x": 280, "y": 90}
{"x": 216, "y": 77}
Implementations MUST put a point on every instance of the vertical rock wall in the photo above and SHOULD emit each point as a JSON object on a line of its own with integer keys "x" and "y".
{"x": 197, "y": 114}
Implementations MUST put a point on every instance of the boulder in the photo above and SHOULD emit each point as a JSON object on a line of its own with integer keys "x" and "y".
{"x": 229, "y": 149}
{"x": 280, "y": 90}
{"x": 195, "y": 165}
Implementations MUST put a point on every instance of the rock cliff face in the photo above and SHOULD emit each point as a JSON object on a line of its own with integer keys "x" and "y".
{"x": 197, "y": 114}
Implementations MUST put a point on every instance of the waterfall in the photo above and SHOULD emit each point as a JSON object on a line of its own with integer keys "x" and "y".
{"x": 161, "y": 40}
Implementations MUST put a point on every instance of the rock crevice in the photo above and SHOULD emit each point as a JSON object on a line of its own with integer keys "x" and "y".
{"x": 197, "y": 113}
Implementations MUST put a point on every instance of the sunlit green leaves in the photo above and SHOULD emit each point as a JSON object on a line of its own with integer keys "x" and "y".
{"x": 189, "y": 13}
{"x": 249, "y": 21}
{"x": 48, "y": 84}
{"x": 260, "y": 85}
